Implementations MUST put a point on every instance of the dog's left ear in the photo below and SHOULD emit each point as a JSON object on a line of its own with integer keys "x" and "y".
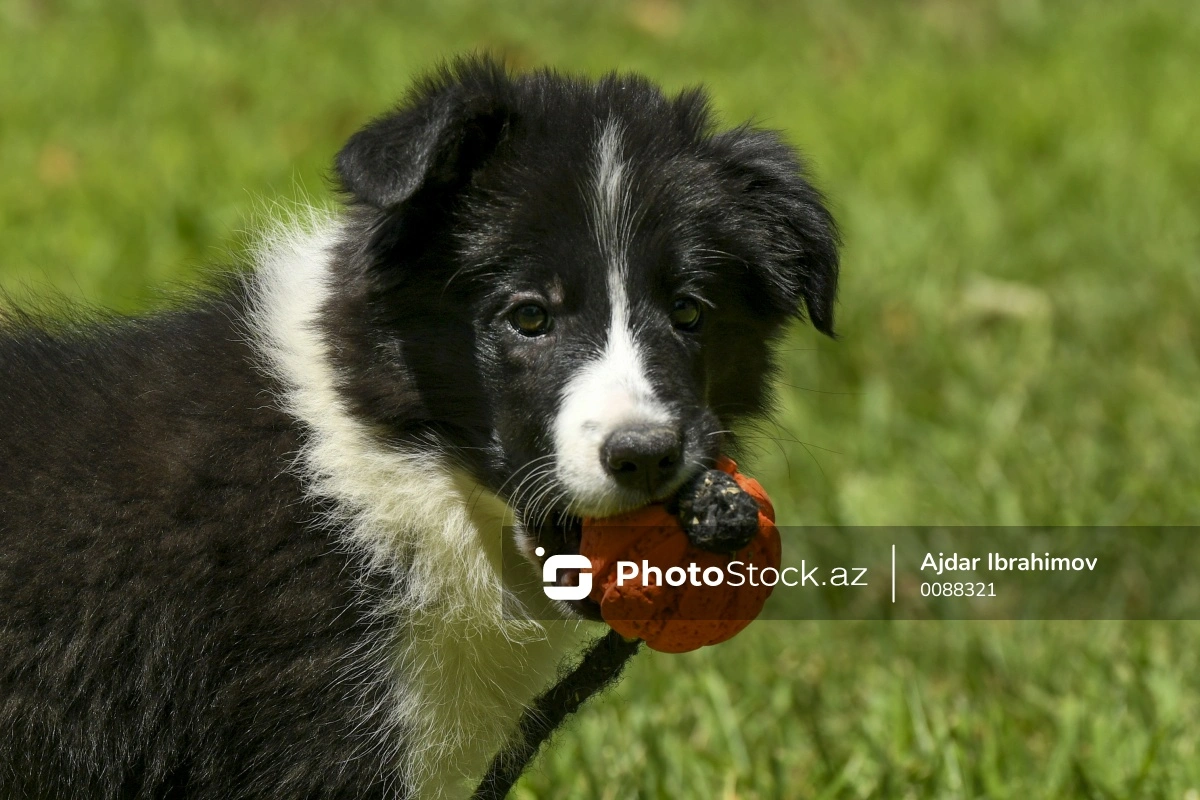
{"x": 450, "y": 124}
{"x": 790, "y": 223}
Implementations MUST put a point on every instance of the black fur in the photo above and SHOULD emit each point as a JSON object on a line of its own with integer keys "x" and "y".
{"x": 177, "y": 618}
{"x": 173, "y": 622}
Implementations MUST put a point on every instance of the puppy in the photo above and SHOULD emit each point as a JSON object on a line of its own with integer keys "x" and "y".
{"x": 252, "y": 546}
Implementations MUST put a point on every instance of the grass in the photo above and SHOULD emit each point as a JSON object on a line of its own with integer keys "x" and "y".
{"x": 1019, "y": 184}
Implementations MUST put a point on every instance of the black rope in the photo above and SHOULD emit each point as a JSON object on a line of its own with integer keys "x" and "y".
{"x": 600, "y": 667}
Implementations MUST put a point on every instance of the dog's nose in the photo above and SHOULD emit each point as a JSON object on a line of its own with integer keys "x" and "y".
{"x": 643, "y": 457}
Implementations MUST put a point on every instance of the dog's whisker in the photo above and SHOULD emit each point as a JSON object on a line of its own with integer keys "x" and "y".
{"x": 529, "y": 490}
{"x": 528, "y": 465}
{"x": 536, "y": 511}
{"x": 789, "y": 440}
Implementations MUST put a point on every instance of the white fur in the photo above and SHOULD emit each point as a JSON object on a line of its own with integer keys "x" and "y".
{"x": 611, "y": 217}
{"x": 461, "y": 672}
{"x": 612, "y": 391}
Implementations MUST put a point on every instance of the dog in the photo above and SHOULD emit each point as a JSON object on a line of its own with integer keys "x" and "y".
{"x": 252, "y": 546}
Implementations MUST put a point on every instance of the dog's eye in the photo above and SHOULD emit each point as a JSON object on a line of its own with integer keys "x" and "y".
{"x": 530, "y": 319}
{"x": 685, "y": 313}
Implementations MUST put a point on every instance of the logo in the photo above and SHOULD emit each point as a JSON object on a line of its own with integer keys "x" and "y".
{"x": 550, "y": 572}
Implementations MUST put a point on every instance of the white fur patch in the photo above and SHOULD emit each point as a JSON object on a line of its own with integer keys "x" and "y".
{"x": 612, "y": 391}
{"x": 611, "y": 217}
{"x": 460, "y": 673}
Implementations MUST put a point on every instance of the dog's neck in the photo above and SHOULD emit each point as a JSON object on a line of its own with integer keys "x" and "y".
{"x": 461, "y": 667}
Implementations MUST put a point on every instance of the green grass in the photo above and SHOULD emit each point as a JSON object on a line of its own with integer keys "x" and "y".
{"x": 1019, "y": 184}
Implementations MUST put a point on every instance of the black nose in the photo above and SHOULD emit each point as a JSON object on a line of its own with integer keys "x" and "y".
{"x": 643, "y": 457}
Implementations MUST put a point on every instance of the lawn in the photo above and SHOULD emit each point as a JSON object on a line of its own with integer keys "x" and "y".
{"x": 1019, "y": 187}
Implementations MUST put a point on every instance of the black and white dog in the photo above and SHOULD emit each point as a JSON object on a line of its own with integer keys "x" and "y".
{"x": 251, "y": 547}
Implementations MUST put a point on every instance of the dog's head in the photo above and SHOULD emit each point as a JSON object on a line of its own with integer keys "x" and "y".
{"x": 571, "y": 285}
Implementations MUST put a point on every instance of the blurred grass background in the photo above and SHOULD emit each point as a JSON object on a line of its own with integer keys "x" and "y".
{"x": 1019, "y": 184}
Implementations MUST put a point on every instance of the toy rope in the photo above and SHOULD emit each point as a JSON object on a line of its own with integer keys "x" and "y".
{"x": 600, "y": 667}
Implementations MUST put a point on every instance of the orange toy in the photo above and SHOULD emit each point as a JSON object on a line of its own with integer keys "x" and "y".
{"x": 676, "y": 619}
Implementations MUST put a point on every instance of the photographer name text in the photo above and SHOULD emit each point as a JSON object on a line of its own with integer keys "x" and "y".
{"x": 997, "y": 562}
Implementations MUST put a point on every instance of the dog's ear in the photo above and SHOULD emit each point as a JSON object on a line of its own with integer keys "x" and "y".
{"x": 789, "y": 222}
{"x": 448, "y": 126}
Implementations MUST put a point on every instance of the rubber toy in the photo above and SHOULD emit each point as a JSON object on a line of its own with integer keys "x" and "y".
{"x": 712, "y": 522}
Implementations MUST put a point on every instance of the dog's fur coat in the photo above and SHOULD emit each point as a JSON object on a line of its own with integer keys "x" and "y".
{"x": 252, "y": 547}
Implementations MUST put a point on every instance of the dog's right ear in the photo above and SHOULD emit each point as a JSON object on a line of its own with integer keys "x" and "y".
{"x": 791, "y": 226}
{"x": 446, "y": 129}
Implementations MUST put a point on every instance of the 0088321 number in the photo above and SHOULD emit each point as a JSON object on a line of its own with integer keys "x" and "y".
{"x": 958, "y": 590}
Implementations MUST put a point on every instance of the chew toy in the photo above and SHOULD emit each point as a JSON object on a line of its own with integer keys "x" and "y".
{"x": 722, "y": 517}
